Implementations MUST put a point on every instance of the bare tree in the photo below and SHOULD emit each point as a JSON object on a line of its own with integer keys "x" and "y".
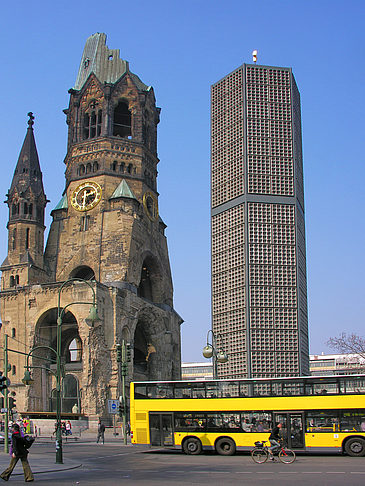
{"x": 348, "y": 343}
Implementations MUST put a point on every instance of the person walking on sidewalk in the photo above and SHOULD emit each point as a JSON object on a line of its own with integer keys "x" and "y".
{"x": 101, "y": 431}
{"x": 19, "y": 451}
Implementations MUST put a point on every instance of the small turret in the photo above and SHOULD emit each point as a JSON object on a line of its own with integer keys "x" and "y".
{"x": 26, "y": 201}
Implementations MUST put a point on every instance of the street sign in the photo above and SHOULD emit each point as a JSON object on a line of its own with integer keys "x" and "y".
{"x": 113, "y": 406}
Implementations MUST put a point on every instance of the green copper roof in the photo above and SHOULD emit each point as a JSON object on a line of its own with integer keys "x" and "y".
{"x": 123, "y": 190}
{"x": 105, "y": 63}
{"x": 63, "y": 204}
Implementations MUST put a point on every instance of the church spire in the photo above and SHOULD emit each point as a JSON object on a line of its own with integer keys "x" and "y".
{"x": 27, "y": 176}
{"x": 26, "y": 201}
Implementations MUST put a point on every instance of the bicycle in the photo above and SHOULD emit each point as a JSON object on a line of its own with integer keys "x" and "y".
{"x": 260, "y": 453}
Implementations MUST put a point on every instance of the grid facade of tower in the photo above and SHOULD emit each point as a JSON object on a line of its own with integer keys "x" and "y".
{"x": 259, "y": 297}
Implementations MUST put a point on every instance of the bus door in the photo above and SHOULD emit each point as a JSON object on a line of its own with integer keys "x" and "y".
{"x": 293, "y": 428}
{"x": 161, "y": 433}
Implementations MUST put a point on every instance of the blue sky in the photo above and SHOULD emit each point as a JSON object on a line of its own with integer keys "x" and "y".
{"x": 181, "y": 48}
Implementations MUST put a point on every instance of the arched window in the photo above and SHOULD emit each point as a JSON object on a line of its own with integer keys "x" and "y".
{"x": 114, "y": 165}
{"x": 27, "y": 235}
{"x": 84, "y": 272}
{"x": 16, "y": 278}
{"x": 122, "y": 126}
{"x": 122, "y": 167}
{"x": 30, "y": 209}
{"x": 130, "y": 168}
{"x": 92, "y": 124}
{"x": 88, "y": 168}
{"x": 13, "y": 332}
{"x": 12, "y": 281}
{"x": 74, "y": 354}
{"x": 81, "y": 169}
{"x": 95, "y": 167}
{"x": 150, "y": 282}
{"x": 145, "y": 286}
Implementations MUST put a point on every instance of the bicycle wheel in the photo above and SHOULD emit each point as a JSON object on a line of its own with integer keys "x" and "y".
{"x": 259, "y": 455}
{"x": 287, "y": 456}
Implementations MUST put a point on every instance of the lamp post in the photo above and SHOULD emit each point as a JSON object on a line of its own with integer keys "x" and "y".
{"x": 211, "y": 351}
{"x": 93, "y": 316}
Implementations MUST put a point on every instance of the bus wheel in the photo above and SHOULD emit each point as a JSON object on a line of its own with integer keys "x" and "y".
{"x": 192, "y": 446}
{"x": 355, "y": 447}
{"x": 225, "y": 446}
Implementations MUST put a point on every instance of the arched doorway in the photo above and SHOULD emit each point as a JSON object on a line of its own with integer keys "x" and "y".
{"x": 71, "y": 354}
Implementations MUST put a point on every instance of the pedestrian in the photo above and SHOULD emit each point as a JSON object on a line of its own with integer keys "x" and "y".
{"x": 101, "y": 431}
{"x": 274, "y": 439}
{"x": 68, "y": 428}
{"x": 19, "y": 451}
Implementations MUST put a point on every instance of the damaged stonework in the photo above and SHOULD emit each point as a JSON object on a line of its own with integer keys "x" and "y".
{"x": 105, "y": 230}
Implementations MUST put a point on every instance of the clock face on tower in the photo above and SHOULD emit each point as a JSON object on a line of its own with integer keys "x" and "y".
{"x": 86, "y": 196}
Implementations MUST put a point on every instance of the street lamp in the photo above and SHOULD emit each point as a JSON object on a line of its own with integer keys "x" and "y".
{"x": 211, "y": 351}
{"x": 93, "y": 317}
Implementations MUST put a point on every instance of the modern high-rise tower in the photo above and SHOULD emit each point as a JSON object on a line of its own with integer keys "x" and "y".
{"x": 259, "y": 285}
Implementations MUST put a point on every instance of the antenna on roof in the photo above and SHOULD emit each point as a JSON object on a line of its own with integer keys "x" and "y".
{"x": 254, "y": 56}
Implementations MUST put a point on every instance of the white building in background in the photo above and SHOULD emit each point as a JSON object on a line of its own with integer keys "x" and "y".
{"x": 319, "y": 364}
{"x": 336, "y": 364}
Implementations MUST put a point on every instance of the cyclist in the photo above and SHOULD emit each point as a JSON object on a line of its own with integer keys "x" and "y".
{"x": 274, "y": 440}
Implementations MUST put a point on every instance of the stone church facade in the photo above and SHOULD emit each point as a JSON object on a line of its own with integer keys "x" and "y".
{"x": 106, "y": 229}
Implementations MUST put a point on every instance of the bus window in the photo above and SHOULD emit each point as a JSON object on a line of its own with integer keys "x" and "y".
{"x": 256, "y": 421}
{"x": 164, "y": 391}
{"x": 228, "y": 389}
{"x": 353, "y": 421}
{"x": 140, "y": 391}
{"x": 198, "y": 390}
{"x": 325, "y": 388}
{"x": 212, "y": 389}
{"x": 190, "y": 422}
{"x": 293, "y": 388}
{"x": 263, "y": 389}
{"x": 182, "y": 390}
{"x": 322, "y": 421}
{"x": 355, "y": 385}
{"x": 245, "y": 390}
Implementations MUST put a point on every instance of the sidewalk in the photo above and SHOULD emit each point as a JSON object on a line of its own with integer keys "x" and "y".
{"x": 39, "y": 463}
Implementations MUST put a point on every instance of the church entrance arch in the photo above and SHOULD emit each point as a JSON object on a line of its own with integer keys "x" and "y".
{"x": 71, "y": 353}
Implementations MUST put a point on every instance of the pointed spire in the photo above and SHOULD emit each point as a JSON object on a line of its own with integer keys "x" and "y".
{"x": 28, "y": 172}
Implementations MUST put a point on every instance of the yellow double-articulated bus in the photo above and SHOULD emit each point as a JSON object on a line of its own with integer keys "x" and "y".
{"x": 321, "y": 414}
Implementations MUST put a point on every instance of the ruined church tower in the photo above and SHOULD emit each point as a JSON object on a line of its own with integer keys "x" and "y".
{"x": 106, "y": 229}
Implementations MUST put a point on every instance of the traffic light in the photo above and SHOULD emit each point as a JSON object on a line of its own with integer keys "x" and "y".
{"x": 119, "y": 353}
{"x": 12, "y": 403}
{"x": 121, "y": 408}
{"x": 124, "y": 369}
{"x": 3, "y": 382}
{"x": 128, "y": 350}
